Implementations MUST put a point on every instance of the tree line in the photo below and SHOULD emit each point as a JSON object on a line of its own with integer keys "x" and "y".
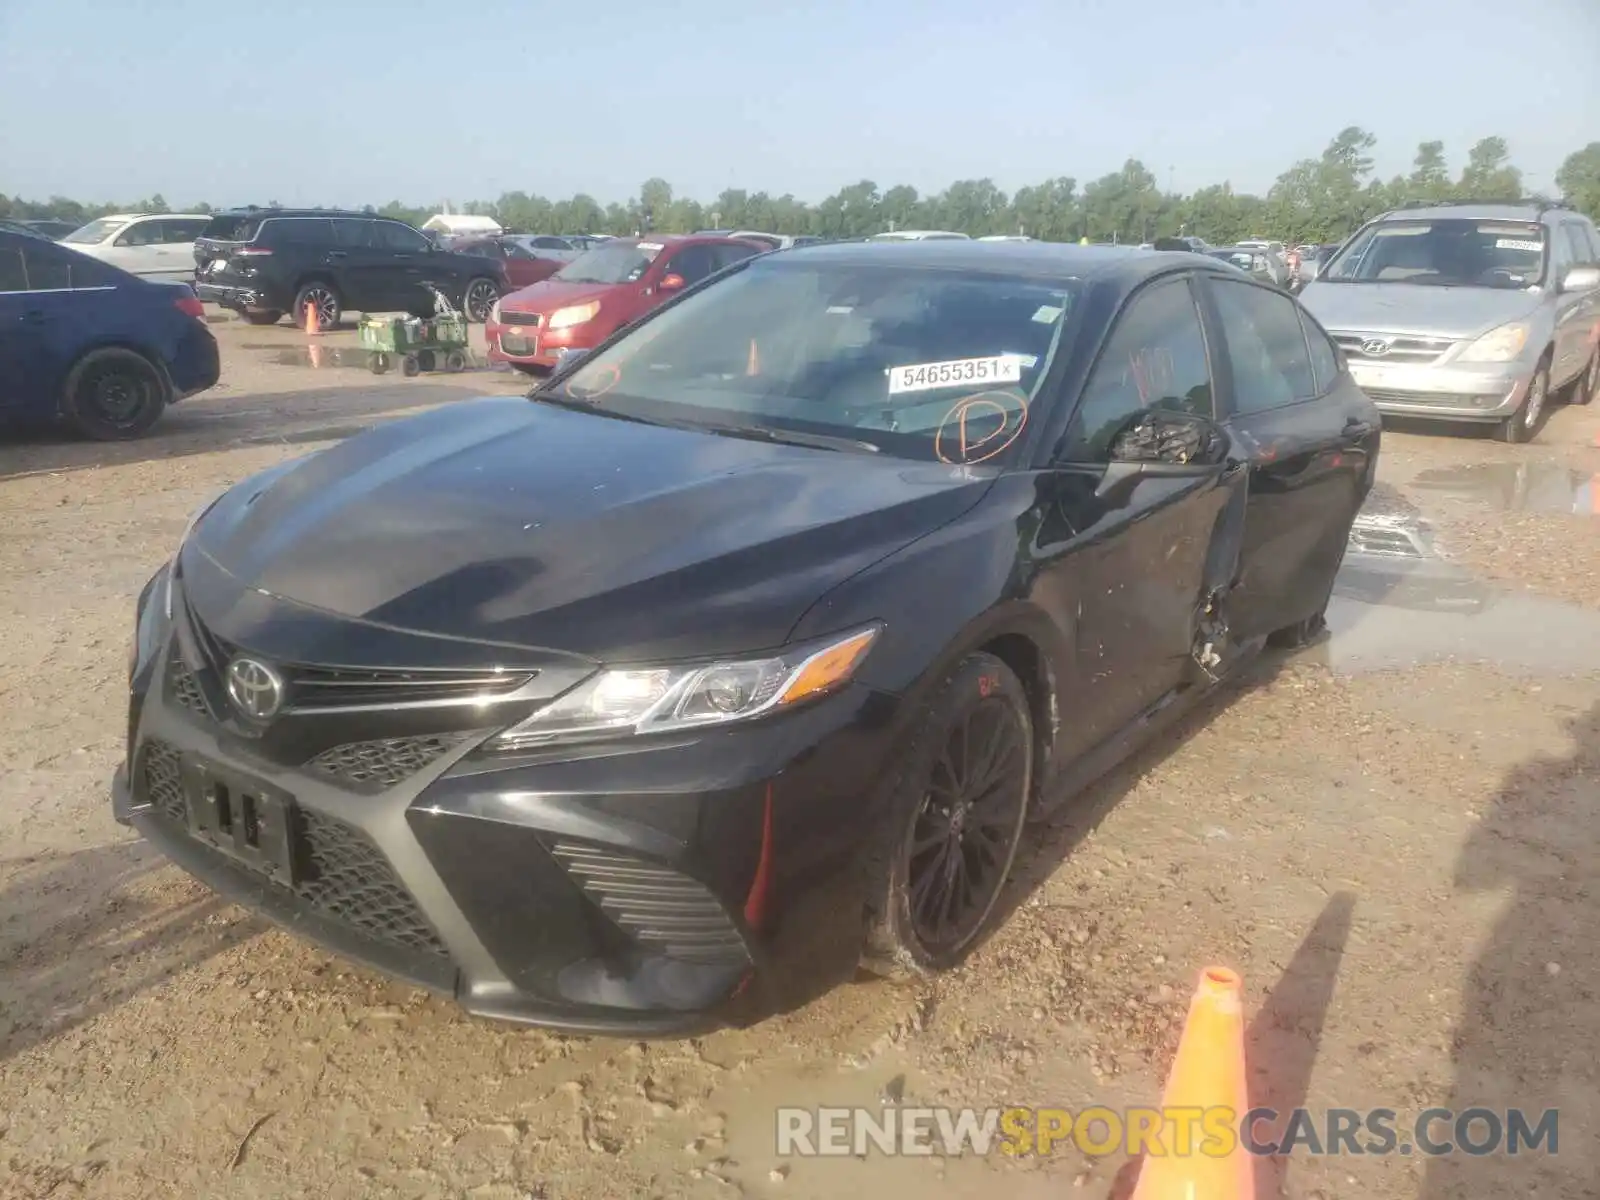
{"x": 1316, "y": 200}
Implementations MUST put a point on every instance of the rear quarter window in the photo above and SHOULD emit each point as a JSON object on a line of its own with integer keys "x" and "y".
{"x": 232, "y": 227}
{"x": 300, "y": 231}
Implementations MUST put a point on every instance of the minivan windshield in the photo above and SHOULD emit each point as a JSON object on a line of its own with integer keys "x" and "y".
{"x": 1452, "y": 252}
{"x": 923, "y": 364}
{"x": 94, "y": 232}
{"x": 609, "y": 263}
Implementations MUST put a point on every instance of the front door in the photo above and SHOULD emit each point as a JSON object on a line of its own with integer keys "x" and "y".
{"x": 401, "y": 268}
{"x": 1125, "y": 579}
{"x": 1311, "y": 437}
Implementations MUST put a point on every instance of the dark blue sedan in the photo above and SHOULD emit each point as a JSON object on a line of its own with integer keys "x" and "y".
{"x": 84, "y": 343}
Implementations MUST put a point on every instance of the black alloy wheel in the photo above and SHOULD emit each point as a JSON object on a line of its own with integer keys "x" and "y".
{"x": 955, "y": 823}
{"x": 478, "y": 301}
{"x": 323, "y": 300}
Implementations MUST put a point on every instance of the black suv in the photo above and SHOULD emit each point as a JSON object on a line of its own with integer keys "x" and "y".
{"x": 263, "y": 263}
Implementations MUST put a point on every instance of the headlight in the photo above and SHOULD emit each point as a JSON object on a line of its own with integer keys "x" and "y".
{"x": 1498, "y": 345}
{"x": 147, "y": 626}
{"x": 577, "y": 314}
{"x": 659, "y": 699}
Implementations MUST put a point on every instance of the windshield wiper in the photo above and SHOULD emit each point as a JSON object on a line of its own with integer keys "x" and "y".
{"x": 789, "y": 437}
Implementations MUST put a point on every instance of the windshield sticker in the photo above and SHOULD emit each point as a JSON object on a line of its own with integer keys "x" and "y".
{"x": 1048, "y": 314}
{"x": 1518, "y": 244}
{"x": 926, "y": 377}
{"x": 980, "y": 427}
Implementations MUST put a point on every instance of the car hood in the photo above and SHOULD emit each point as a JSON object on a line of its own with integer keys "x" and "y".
{"x": 520, "y": 523}
{"x": 1404, "y": 308}
{"x": 550, "y": 294}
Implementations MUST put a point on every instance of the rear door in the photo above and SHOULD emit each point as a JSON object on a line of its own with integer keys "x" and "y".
{"x": 1129, "y": 576}
{"x": 1311, "y": 437}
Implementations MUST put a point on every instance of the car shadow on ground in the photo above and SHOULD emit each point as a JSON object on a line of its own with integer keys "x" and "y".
{"x": 226, "y": 423}
{"x": 1530, "y": 1006}
{"x": 86, "y": 931}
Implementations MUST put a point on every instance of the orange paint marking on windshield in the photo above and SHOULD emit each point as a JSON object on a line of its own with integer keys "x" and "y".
{"x": 1013, "y": 420}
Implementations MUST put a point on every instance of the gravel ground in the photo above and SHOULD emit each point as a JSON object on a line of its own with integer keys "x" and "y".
{"x": 1391, "y": 835}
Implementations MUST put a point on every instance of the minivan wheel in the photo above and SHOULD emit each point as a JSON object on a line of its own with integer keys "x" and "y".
{"x": 322, "y": 298}
{"x": 952, "y": 823}
{"x": 478, "y": 300}
{"x": 114, "y": 394}
{"x": 1588, "y": 385}
{"x": 1523, "y": 425}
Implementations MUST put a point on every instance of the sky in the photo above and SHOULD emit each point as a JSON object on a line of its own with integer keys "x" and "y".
{"x": 344, "y": 103}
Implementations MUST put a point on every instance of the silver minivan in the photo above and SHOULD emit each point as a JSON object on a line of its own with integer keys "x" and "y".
{"x": 1467, "y": 311}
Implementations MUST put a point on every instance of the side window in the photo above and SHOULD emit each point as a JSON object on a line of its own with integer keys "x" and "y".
{"x": 1592, "y": 237}
{"x": 728, "y": 255}
{"x": 391, "y": 235}
{"x": 1266, "y": 344}
{"x": 352, "y": 235}
{"x": 694, "y": 263}
{"x": 1560, "y": 250}
{"x": 304, "y": 231}
{"x": 180, "y": 231}
{"x": 1579, "y": 250}
{"x": 1155, "y": 357}
{"x": 140, "y": 233}
{"x": 550, "y": 243}
{"x": 12, "y": 277}
{"x": 1324, "y": 357}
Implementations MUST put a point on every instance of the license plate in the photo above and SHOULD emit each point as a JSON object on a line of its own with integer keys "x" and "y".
{"x": 245, "y": 819}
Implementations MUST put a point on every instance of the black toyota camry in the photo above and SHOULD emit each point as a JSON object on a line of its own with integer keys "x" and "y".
{"x": 738, "y": 654}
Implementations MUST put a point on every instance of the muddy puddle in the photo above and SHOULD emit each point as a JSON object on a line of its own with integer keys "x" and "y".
{"x": 1539, "y": 487}
{"x": 1399, "y": 602}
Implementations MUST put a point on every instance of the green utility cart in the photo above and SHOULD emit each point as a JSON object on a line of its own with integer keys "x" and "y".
{"x": 421, "y": 344}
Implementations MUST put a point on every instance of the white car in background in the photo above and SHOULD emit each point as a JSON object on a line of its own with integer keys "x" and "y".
{"x": 919, "y": 235}
{"x": 149, "y": 245}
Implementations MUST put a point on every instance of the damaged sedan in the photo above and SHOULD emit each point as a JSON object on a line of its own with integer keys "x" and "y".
{"x": 738, "y": 655}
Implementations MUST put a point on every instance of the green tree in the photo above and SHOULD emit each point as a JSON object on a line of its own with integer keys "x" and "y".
{"x": 1578, "y": 179}
{"x": 1430, "y": 174}
{"x": 1489, "y": 174}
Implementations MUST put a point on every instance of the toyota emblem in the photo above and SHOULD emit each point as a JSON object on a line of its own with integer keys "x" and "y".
{"x": 1374, "y": 347}
{"x": 255, "y": 688}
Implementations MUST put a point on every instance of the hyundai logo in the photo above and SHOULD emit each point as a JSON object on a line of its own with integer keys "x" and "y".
{"x": 1374, "y": 347}
{"x": 255, "y": 688}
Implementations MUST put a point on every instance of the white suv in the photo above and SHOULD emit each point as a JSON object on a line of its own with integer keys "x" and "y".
{"x": 151, "y": 246}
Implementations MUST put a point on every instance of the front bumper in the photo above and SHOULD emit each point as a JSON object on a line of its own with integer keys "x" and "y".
{"x": 1475, "y": 392}
{"x": 649, "y": 888}
{"x": 533, "y": 345}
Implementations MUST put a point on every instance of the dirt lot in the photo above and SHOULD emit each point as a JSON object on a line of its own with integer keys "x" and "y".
{"x": 1393, "y": 836}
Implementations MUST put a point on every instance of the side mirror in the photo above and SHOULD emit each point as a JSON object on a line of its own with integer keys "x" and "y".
{"x": 1161, "y": 443}
{"x": 672, "y": 283}
{"x": 1581, "y": 279}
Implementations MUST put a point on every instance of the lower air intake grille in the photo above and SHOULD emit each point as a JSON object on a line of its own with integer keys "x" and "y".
{"x": 663, "y": 911}
{"x": 375, "y": 765}
{"x": 163, "y": 781}
{"x": 349, "y": 878}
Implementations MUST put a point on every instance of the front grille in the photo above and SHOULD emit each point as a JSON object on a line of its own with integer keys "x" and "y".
{"x": 375, "y": 765}
{"x": 1431, "y": 399}
{"x": 327, "y": 688}
{"x": 184, "y": 689}
{"x": 342, "y": 873}
{"x": 1401, "y": 349}
{"x": 524, "y": 320}
{"x": 511, "y": 344}
{"x": 662, "y": 910}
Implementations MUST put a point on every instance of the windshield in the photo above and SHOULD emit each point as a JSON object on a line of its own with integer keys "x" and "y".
{"x": 94, "y": 232}
{"x": 611, "y": 264}
{"x": 923, "y": 364}
{"x": 1444, "y": 253}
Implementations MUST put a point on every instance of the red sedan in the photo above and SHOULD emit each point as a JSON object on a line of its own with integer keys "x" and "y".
{"x": 600, "y": 291}
{"x": 524, "y": 264}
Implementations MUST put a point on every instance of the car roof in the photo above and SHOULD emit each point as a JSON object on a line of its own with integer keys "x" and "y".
{"x": 1041, "y": 260}
{"x": 264, "y": 213}
{"x": 140, "y": 216}
{"x": 675, "y": 239}
{"x": 1529, "y": 213}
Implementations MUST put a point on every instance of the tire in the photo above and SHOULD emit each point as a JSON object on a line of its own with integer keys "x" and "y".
{"x": 113, "y": 395}
{"x": 326, "y": 301}
{"x": 427, "y": 360}
{"x": 409, "y": 366}
{"x": 378, "y": 361}
{"x": 1522, "y": 426}
{"x": 931, "y": 807}
{"x": 263, "y": 318}
{"x": 1588, "y": 385}
{"x": 477, "y": 299}
{"x": 455, "y": 361}
{"x": 1302, "y": 633}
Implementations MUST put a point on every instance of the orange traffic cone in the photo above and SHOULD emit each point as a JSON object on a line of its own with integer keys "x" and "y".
{"x": 752, "y": 365}
{"x": 1207, "y": 1074}
{"x": 313, "y": 326}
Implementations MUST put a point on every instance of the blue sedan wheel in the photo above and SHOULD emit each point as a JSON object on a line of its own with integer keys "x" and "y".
{"x": 113, "y": 395}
